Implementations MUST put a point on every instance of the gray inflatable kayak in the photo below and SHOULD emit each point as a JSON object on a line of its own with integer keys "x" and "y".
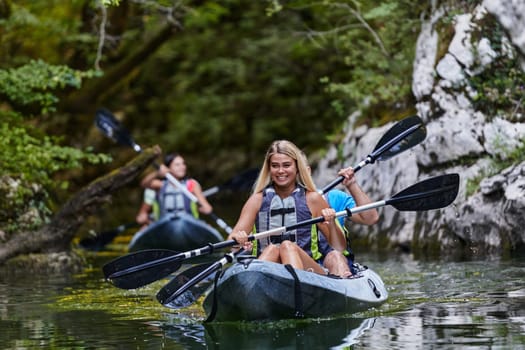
{"x": 180, "y": 232}
{"x": 260, "y": 290}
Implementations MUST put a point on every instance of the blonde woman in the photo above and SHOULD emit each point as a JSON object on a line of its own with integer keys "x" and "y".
{"x": 285, "y": 194}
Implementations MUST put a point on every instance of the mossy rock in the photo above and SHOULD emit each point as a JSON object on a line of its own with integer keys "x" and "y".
{"x": 49, "y": 263}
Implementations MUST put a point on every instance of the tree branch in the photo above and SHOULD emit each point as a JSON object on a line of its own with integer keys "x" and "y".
{"x": 59, "y": 233}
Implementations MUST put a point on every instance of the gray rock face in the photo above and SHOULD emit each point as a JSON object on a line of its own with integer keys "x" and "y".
{"x": 460, "y": 139}
{"x": 511, "y": 15}
{"x": 493, "y": 218}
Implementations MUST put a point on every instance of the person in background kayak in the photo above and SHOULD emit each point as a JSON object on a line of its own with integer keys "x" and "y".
{"x": 149, "y": 210}
{"x": 171, "y": 199}
{"x": 340, "y": 200}
{"x": 285, "y": 194}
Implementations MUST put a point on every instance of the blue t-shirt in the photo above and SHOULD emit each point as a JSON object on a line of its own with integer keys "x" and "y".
{"x": 339, "y": 200}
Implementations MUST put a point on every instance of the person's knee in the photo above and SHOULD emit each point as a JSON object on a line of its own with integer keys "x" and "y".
{"x": 288, "y": 245}
{"x": 334, "y": 256}
{"x": 337, "y": 264}
{"x": 270, "y": 253}
{"x": 272, "y": 249}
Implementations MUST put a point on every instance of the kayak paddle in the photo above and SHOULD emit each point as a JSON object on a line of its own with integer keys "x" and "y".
{"x": 429, "y": 194}
{"x": 404, "y": 135}
{"x": 400, "y": 137}
{"x": 241, "y": 182}
{"x": 112, "y": 128}
{"x": 99, "y": 240}
{"x": 432, "y": 193}
{"x": 185, "y": 288}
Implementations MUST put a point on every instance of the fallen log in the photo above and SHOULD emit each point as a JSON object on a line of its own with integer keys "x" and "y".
{"x": 57, "y": 235}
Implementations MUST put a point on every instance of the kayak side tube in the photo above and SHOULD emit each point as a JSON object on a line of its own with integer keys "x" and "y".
{"x": 261, "y": 290}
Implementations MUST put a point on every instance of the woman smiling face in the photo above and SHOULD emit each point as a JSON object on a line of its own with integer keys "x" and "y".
{"x": 178, "y": 167}
{"x": 283, "y": 170}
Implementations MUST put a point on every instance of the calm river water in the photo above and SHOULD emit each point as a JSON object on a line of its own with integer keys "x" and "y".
{"x": 432, "y": 305}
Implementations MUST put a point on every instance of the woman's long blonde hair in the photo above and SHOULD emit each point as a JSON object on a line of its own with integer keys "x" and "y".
{"x": 285, "y": 147}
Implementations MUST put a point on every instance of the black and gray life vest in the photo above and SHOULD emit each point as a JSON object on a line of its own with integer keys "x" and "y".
{"x": 277, "y": 212}
{"x": 172, "y": 200}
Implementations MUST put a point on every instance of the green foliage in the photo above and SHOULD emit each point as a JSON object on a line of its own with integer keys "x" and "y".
{"x": 243, "y": 79}
{"x": 500, "y": 86}
{"x": 230, "y": 76}
{"x": 246, "y": 73}
{"x": 37, "y": 29}
{"x": 28, "y": 161}
{"x": 110, "y": 2}
{"x": 209, "y": 14}
{"x": 37, "y": 81}
{"x": 377, "y": 41}
{"x": 38, "y": 157}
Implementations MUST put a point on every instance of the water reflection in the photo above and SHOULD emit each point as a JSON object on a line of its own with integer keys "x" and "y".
{"x": 290, "y": 334}
{"x": 432, "y": 305}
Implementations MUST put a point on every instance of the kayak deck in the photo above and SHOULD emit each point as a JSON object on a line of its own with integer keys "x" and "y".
{"x": 179, "y": 232}
{"x": 260, "y": 290}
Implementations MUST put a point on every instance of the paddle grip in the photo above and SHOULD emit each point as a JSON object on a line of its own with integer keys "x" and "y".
{"x": 369, "y": 159}
{"x": 211, "y": 191}
{"x": 332, "y": 185}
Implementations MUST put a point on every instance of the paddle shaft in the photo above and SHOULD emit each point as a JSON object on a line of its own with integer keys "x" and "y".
{"x": 221, "y": 223}
{"x": 220, "y": 245}
{"x": 111, "y": 127}
{"x": 371, "y": 158}
{"x": 211, "y": 191}
{"x": 216, "y": 266}
{"x": 242, "y": 181}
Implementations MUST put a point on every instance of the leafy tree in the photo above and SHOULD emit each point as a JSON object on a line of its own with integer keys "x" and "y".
{"x": 28, "y": 161}
{"x": 28, "y": 157}
{"x": 241, "y": 74}
{"x": 216, "y": 80}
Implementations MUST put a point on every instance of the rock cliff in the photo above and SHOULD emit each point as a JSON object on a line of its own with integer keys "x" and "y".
{"x": 475, "y": 127}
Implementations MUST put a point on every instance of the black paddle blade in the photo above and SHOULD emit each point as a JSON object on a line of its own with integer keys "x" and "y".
{"x": 434, "y": 193}
{"x": 111, "y": 127}
{"x": 140, "y": 277}
{"x": 174, "y": 296}
{"x": 241, "y": 182}
{"x": 244, "y": 181}
{"x": 404, "y": 135}
{"x": 100, "y": 240}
